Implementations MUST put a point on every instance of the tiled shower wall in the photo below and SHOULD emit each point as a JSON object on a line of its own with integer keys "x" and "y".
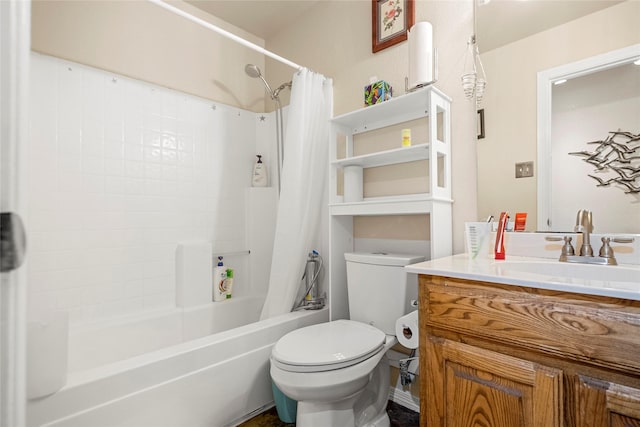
{"x": 120, "y": 171}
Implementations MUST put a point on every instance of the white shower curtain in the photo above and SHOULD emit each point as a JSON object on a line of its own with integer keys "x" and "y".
{"x": 303, "y": 186}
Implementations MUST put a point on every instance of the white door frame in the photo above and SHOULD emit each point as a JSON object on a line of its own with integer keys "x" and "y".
{"x": 15, "y": 29}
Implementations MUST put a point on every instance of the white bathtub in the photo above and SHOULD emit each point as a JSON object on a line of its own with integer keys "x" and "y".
{"x": 99, "y": 343}
{"x": 213, "y": 381}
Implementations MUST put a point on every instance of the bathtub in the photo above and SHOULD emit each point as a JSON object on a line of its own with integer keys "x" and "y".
{"x": 207, "y": 380}
{"x": 100, "y": 343}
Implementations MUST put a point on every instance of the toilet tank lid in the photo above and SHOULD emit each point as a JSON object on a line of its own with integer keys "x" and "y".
{"x": 383, "y": 258}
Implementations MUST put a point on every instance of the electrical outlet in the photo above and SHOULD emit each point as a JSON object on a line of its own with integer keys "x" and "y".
{"x": 524, "y": 170}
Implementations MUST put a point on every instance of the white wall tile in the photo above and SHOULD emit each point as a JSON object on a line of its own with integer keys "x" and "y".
{"x": 119, "y": 172}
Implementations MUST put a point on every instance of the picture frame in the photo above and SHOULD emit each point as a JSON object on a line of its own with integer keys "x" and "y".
{"x": 390, "y": 23}
{"x": 480, "y": 124}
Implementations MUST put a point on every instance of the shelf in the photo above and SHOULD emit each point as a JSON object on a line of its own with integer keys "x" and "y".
{"x": 394, "y": 205}
{"x": 389, "y": 157}
{"x": 403, "y": 108}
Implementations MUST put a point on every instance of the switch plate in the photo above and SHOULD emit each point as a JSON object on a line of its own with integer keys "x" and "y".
{"x": 524, "y": 170}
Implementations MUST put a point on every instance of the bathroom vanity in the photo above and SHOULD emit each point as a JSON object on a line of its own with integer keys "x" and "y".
{"x": 511, "y": 345}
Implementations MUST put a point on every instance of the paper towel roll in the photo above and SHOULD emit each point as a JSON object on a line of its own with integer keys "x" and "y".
{"x": 420, "y": 40}
{"x": 407, "y": 330}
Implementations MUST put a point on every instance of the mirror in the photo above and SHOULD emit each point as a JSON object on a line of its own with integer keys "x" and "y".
{"x": 589, "y": 142}
{"x": 511, "y": 113}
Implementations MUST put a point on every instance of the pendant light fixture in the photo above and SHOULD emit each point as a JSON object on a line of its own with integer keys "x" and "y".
{"x": 474, "y": 80}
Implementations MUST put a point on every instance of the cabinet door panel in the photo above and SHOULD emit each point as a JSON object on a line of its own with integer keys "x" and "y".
{"x": 606, "y": 404}
{"x": 479, "y": 398}
{"x": 484, "y": 388}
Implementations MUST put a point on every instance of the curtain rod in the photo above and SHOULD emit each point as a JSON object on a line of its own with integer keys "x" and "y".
{"x": 225, "y": 33}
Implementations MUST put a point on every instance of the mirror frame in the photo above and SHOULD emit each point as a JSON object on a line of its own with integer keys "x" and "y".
{"x": 546, "y": 79}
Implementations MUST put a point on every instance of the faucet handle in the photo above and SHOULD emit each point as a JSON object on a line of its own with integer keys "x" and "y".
{"x": 605, "y": 250}
{"x": 567, "y": 249}
{"x": 623, "y": 239}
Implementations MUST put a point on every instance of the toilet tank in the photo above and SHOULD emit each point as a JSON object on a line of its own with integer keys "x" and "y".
{"x": 380, "y": 291}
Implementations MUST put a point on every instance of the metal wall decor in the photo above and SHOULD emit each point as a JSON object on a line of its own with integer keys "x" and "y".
{"x": 617, "y": 161}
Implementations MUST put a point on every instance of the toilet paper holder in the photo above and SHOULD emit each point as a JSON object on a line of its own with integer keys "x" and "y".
{"x": 406, "y": 376}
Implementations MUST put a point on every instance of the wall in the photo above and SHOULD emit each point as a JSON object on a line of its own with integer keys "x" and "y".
{"x": 344, "y": 54}
{"x": 120, "y": 171}
{"x": 141, "y": 40}
{"x": 510, "y": 101}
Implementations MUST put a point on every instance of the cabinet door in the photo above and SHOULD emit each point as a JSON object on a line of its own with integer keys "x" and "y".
{"x": 469, "y": 386}
{"x": 606, "y": 404}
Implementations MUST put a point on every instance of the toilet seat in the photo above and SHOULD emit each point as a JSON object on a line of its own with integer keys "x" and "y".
{"x": 327, "y": 346}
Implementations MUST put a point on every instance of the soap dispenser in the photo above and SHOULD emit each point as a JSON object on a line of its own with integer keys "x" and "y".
{"x": 259, "y": 178}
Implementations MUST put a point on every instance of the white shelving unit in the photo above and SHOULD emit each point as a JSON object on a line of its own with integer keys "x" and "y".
{"x": 428, "y": 104}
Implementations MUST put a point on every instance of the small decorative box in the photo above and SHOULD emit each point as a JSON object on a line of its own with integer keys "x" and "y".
{"x": 377, "y": 92}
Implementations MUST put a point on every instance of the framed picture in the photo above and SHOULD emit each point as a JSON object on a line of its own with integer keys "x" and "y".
{"x": 391, "y": 20}
{"x": 480, "y": 124}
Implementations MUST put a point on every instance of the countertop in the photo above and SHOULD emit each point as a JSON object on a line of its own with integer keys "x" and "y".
{"x": 621, "y": 281}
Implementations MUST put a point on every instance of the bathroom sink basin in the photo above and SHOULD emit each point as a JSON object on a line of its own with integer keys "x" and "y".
{"x": 619, "y": 281}
{"x": 564, "y": 271}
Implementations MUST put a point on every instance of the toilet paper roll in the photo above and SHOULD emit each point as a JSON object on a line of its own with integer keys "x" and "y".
{"x": 420, "y": 39}
{"x": 407, "y": 330}
{"x": 353, "y": 187}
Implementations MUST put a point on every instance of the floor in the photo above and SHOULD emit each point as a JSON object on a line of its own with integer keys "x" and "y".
{"x": 399, "y": 416}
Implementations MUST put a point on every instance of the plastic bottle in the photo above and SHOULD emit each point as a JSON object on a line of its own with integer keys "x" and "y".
{"x": 406, "y": 137}
{"x": 219, "y": 281}
{"x": 259, "y": 178}
{"x": 229, "y": 282}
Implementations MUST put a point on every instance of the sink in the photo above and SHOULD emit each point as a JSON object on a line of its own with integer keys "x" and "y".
{"x": 587, "y": 272}
{"x": 618, "y": 281}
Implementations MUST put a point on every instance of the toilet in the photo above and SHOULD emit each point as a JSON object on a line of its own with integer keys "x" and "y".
{"x": 338, "y": 371}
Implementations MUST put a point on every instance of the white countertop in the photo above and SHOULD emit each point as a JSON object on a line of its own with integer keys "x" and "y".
{"x": 622, "y": 281}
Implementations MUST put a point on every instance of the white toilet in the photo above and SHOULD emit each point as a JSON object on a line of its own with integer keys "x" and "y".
{"x": 338, "y": 371}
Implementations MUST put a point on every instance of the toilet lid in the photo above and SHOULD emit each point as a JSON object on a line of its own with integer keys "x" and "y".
{"x": 327, "y": 346}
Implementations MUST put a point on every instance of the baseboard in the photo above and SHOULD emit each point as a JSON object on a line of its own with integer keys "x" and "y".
{"x": 404, "y": 398}
{"x": 251, "y": 414}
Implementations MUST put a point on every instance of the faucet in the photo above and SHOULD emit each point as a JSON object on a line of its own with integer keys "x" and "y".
{"x": 584, "y": 224}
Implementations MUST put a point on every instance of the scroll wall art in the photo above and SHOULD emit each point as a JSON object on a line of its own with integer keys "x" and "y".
{"x": 616, "y": 160}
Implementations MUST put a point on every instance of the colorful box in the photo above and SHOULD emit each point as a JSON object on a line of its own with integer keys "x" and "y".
{"x": 377, "y": 92}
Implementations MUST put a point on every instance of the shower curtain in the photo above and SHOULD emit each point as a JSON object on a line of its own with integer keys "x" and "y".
{"x": 302, "y": 189}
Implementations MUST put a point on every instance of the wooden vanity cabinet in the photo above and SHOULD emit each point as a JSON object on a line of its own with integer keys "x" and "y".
{"x": 501, "y": 356}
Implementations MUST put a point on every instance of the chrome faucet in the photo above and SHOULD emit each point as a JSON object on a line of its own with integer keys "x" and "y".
{"x": 584, "y": 225}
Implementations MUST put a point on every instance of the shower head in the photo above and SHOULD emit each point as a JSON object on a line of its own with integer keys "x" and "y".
{"x": 252, "y": 71}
